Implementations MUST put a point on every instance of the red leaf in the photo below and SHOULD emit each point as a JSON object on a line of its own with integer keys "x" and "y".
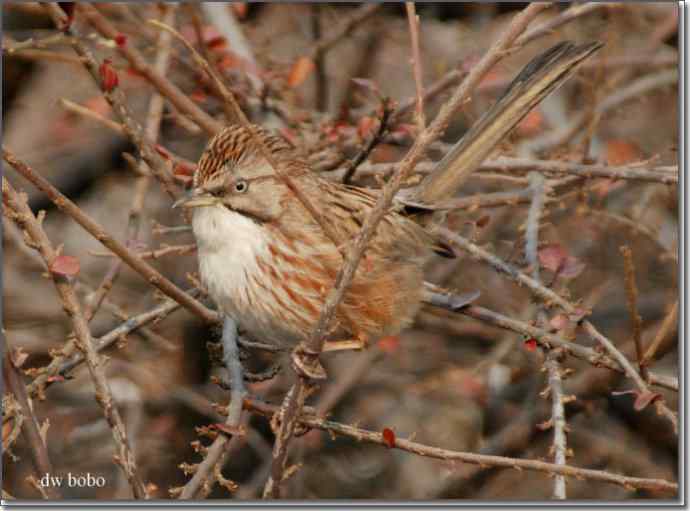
{"x": 389, "y": 344}
{"x": 65, "y": 265}
{"x": 198, "y": 95}
{"x": 531, "y": 124}
{"x": 54, "y": 378}
{"x": 121, "y": 40}
{"x": 645, "y": 399}
{"x": 530, "y": 344}
{"x": 388, "y": 437}
{"x": 109, "y": 78}
{"x": 300, "y": 71}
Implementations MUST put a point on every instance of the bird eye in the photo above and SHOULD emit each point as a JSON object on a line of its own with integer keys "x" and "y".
{"x": 241, "y": 186}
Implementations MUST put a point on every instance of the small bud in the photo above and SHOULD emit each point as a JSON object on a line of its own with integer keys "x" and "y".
{"x": 109, "y": 79}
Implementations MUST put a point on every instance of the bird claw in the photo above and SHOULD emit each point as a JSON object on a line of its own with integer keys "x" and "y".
{"x": 307, "y": 364}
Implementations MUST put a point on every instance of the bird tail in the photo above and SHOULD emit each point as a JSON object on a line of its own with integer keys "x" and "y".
{"x": 542, "y": 75}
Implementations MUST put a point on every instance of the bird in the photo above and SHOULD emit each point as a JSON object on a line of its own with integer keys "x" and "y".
{"x": 269, "y": 264}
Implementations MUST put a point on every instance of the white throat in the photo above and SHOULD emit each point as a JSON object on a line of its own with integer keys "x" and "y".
{"x": 229, "y": 245}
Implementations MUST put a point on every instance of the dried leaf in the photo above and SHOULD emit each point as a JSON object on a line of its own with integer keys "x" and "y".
{"x": 572, "y": 267}
{"x": 388, "y": 437}
{"x": 300, "y": 71}
{"x": 552, "y": 257}
{"x": 555, "y": 258}
{"x": 621, "y": 152}
{"x": 65, "y": 265}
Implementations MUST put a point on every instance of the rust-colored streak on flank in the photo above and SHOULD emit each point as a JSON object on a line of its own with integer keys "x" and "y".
{"x": 306, "y": 283}
{"x": 299, "y": 300}
{"x": 268, "y": 268}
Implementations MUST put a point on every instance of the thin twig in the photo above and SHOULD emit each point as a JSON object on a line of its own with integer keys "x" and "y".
{"x": 373, "y": 141}
{"x": 213, "y": 459}
{"x": 664, "y": 174}
{"x": 31, "y": 429}
{"x": 552, "y": 363}
{"x": 670, "y": 322}
{"x": 76, "y": 108}
{"x": 321, "y": 92}
{"x": 560, "y": 446}
{"x": 635, "y": 319}
{"x": 413, "y": 22}
{"x": 562, "y": 18}
{"x": 344, "y": 28}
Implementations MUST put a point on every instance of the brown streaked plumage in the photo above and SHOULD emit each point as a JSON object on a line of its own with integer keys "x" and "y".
{"x": 269, "y": 265}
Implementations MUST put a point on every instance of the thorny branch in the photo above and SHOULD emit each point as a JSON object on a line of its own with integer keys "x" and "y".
{"x": 26, "y": 417}
{"x": 482, "y": 460}
{"x": 550, "y": 298}
{"x": 23, "y": 216}
{"x": 552, "y": 363}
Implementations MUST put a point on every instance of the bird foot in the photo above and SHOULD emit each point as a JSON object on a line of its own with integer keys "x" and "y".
{"x": 307, "y": 364}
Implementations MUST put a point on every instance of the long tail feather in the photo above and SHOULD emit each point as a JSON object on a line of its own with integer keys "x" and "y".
{"x": 539, "y": 78}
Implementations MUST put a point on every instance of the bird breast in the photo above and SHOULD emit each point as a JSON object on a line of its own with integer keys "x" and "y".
{"x": 233, "y": 253}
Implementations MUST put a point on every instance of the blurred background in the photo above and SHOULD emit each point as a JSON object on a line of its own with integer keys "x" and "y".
{"x": 451, "y": 381}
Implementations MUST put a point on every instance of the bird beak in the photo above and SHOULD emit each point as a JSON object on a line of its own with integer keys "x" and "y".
{"x": 195, "y": 199}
